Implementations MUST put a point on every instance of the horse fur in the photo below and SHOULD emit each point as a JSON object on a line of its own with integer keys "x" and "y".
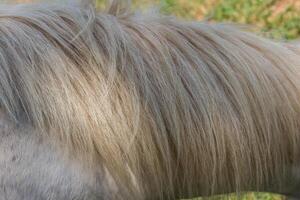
{"x": 166, "y": 108}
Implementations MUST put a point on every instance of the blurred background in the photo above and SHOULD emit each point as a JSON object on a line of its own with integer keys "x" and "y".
{"x": 277, "y": 19}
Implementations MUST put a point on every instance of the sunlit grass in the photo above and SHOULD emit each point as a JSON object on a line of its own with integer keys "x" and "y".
{"x": 280, "y": 18}
{"x": 246, "y": 196}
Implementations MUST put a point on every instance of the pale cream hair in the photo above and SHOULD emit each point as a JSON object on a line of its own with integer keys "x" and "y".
{"x": 170, "y": 108}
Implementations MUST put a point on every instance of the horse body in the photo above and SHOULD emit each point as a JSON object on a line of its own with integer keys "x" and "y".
{"x": 121, "y": 105}
{"x": 33, "y": 169}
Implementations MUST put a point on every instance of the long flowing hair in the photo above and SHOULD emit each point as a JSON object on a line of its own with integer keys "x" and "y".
{"x": 170, "y": 108}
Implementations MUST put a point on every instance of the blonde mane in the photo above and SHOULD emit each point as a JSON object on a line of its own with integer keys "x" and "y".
{"x": 170, "y": 108}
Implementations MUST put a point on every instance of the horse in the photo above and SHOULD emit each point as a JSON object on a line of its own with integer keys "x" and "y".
{"x": 120, "y": 104}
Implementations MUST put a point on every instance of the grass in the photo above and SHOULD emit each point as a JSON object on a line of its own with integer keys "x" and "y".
{"x": 246, "y": 196}
{"x": 277, "y": 18}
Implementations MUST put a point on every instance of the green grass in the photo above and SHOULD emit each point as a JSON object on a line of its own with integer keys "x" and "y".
{"x": 280, "y": 18}
{"x": 277, "y": 18}
{"x": 246, "y": 196}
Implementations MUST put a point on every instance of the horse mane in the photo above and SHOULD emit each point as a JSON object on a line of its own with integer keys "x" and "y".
{"x": 170, "y": 107}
